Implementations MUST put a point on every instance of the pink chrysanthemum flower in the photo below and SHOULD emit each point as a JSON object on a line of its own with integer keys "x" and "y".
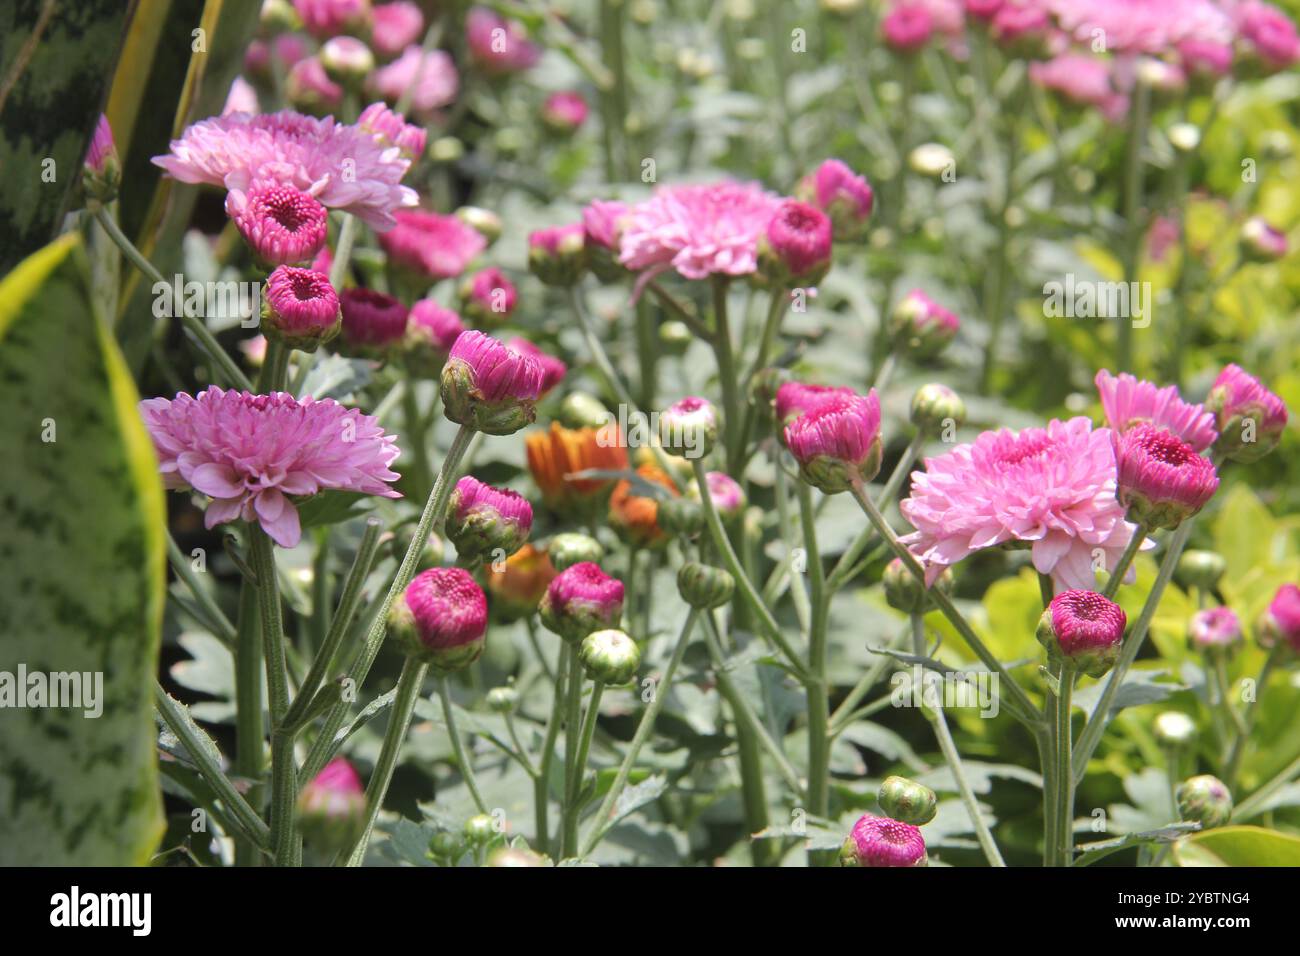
{"x": 395, "y": 26}
{"x": 1270, "y": 33}
{"x": 290, "y": 149}
{"x": 795, "y": 398}
{"x": 488, "y": 297}
{"x": 431, "y": 75}
{"x": 1214, "y": 627}
{"x": 602, "y": 221}
{"x": 1082, "y": 79}
{"x": 840, "y": 193}
{"x": 1052, "y": 488}
{"x": 1154, "y": 26}
{"x": 701, "y": 230}
{"x": 254, "y": 454}
{"x": 431, "y": 326}
{"x": 1205, "y": 57}
{"x": 553, "y": 369}
{"x": 282, "y": 225}
{"x": 441, "y": 619}
{"x": 837, "y": 443}
{"x": 1250, "y": 418}
{"x": 327, "y": 18}
{"x": 1281, "y": 619}
{"x": 581, "y": 599}
{"x": 907, "y": 27}
{"x": 1162, "y": 479}
{"x": 391, "y": 129}
{"x": 372, "y": 319}
{"x": 922, "y": 326}
{"x": 882, "y": 842}
{"x": 1085, "y": 628}
{"x": 482, "y": 520}
{"x": 490, "y": 386}
{"x": 565, "y": 111}
{"x": 430, "y": 244}
{"x": 795, "y": 250}
{"x": 1128, "y": 402}
{"x": 308, "y": 88}
{"x": 497, "y": 45}
{"x": 300, "y": 307}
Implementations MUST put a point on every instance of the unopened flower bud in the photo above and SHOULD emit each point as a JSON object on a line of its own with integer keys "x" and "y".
{"x": 488, "y": 298}
{"x": 725, "y": 493}
{"x": 1200, "y": 569}
{"x": 332, "y": 807}
{"x": 1215, "y": 629}
{"x": 483, "y": 221}
{"x": 480, "y": 828}
{"x": 441, "y": 619}
{"x": 704, "y": 587}
{"x": 907, "y": 800}
{"x": 681, "y": 517}
{"x": 101, "y": 173}
{"x": 920, "y": 326}
{"x": 1250, "y": 418}
{"x": 347, "y": 61}
{"x": 881, "y": 842}
{"x": 1280, "y": 622}
{"x": 842, "y": 194}
{"x": 583, "y": 410}
{"x": 795, "y": 251}
{"x": 581, "y": 599}
{"x": 503, "y": 700}
{"x": 675, "y": 337}
{"x": 609, "y": 656}
{"x": 300, "y": 308}
{"x": 905, "y": 592}
{"x": 558, "y": 256}
{"x": 571, "y": 548}
{"x": 1174, "y": 730}
{"x": 936, "y": 407}
{"x": 1084, "y": 628}
{"x": 837, "y": 443}
{"x": 1163, "y": 481}
{"x": 1260, "y": 242}
{"x": 689, "y": 428}
{"x": 1205, "y": 800}
{"x": 489, "y": 386}
{"x": 485, "y": 522}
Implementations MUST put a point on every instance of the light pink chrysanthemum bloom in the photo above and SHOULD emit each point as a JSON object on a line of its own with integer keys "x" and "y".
{"x": 391, "y": 129}
{"x": 602, "y": 219}
{"x": 497, "y": 45}
{"x": 342, "y": 166}
{"x": 430, "y": 244}
{"x": 432, "y": 76}
{"x": 1128, "y": 402}
{"x": 1214, "y": 627}
{"x": 1270, "y": 33}
{"x": 1083, "y": 79}
{"x": 1152, "y": 26}
{"x": 242, "y": 98}
{"x": 254, "y": 454}
{"x": 327, "y": 18}
{"x": 1250, "y": 418}
{"x": 396, "y": 26}
{"x": 1052, "y": 488}
{"x": 281, "y": 224}
{"x": 701, "y": 230}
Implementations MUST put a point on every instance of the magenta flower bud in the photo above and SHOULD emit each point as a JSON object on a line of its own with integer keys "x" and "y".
{"x": 1270, "y": 34}
{"x": 602, "y": 225}
{"x": 496, "y": 45}
{"x": 372, "y": 321}
{"x": 558, "y": 255}
{"x": 842, "y": 194}
{"x": 490, "y": 386}
{"x": 300, "y": 308}
{"x": 838, "y": 443}
{"x": 1162, "y": 480}
{"x": 1204, "y": 58}
{"x": 581, "y": 599}
{"x": 1085, "y": 628}
{"x": 688, "y": 428}
{"x": 488, "y": 297}
{"x": 328, "y": 18}
{"x": 431, "y": 331}
{"x": 282, "y": 225}
{"x": 430, "y": 245}
{"x": 725, "y": 493}
{"x": 553, "y": 369}
{"x": 609, "y": 656}
{"x": 395, "y": 26}
{"x": 1250, "y": 417}
{"x": 441, "y": 619}
{"x": 1260, "y": 242}
{"x": 1021, "y": 28}
{"x": 983, "y": 9}
{"x": 1281, "y": 620}
{"x": 920, "y": 326}
{"x": 907, "y": 28}
{"x": 309, "y": 89}
{"x": 795, "y": 398}
{"x": 332, "y": 807}
{"x": 101, "y": 173}
{"x": 564, "y": 112}
{"x": 796, "y": 249}
{"x": 486, "y": 523}
{"x": 1215, "y": 628}
{"x": 391, "y": 129}
{"x": 347, "y": 60}
{"x": 880, "y": 841}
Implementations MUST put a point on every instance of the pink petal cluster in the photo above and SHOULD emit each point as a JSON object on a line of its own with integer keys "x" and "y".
{"x": 700, "y": 230}
{"x": 489, "y": 296}
{"x": 242, "y": 98}
{"x": 565, "y": 110}
{"x": 553, "y": 369}
{"x": 327, "y": 18}
{"x": 882, "y": 842}
{"x": 498, "y": 372}
{"x": 1282, "y": 618}
{"x": 1214, "y": 627}
{"x": 251, "y": 453}
{"x": 372, "y": 319}
{"x": 1053, "y": 488}
{"x": 287, "y": 49}
{"x": 583, "y": 591}
{"x": 602, "y": 221}
{"x": 302, "y": 303}
{"x": 1128, "y": 402}
{"x": 799, "y": 237}
{"x": 391, "y": 129}
{"x": 1085, "y": 622}
{"x": 1270, "y": 33}
{"x": 395, "y": 26}
{"x": 102, "y": 148}
{"x": 341, "y": 165}
{"x": 434, "y": 326}
{"x": 448, "y": 608}
{"x": 1162, "y": 479}
{"x": 907, "y": 27}
{"x": 308, "y": 87}
{"x": 472, "y": 496}
{"x": 431, "y": 76}
{"x": 497, "y": 45}
{"x": 1083, "y": 79}
{"x": 795, "y": 398}
{"x": 837, "y": 443}
{"x": 1237, "y": 393}
{"x": 725, "y": 493}
{"x": 840, "y": 193}
{"x": 1153, "y": 26}
{"x": 281, "y": 224}
{"x": 431, "y": 244}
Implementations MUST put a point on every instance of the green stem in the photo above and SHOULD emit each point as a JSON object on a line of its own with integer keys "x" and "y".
{"x": 196, "y": 326}
{"x": 542, "y": 783}
{"x": 1255, "y": 803}
{"x": 722, "y": 350}
{"x": 1045, "y": 741}
{"x": 1064, "y": 764}
{"x": 430, "y": 519}
{"x": 216, "y": 618}
{"x": 250, "y": 732}
{"x": 604, "y": 816}
{"x": 845, "y": 712}
{"x": 1140, "y": 118}
{"x": 408, "y": 692}
{"x": 1238, "y": 751}
{"x": 458, "y": 745}
{"x": 819, "y": 740}
{"x": 572, "y": 735}
{"x": 1125, "y": 559}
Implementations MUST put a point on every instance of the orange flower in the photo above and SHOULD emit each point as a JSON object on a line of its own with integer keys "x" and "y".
{"x": 517, "y": 590}
{"x": 554, "y": 455}
{"x": 635, "y": 516}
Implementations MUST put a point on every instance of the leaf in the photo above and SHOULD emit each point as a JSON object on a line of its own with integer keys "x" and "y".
{"x": 82, "y": 554}
{"x": 637, "y": 796}
{"x": 336, "y": 377}
{"x": 1138, "y": 688}
{"x": 1238, "y": 846}
{"x": 332, "y": 507}
{"x": 1090, "y": 853}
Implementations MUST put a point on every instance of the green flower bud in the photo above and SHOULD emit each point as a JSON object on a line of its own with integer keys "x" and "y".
{"x": 1200, "y": 569}
{"x": 446, "y": 149}
{"x": 571, "y": 548}
{"x": 907, "y": 800}
{"x": 931, "y": 160}
{"x": 936, "y": 407}
{"x": 1204, "y": 800}
{"x": 675, "y": 337}
{"x": 688, "y": 428}
{"x": 583, "y": 410}
{"x": 483, "y": 221}
{"x": 1174, "y": 729}
{"x": 904, "y": 592}
{"x": 681, "y": 517}
{"x": 609, "y": 656}
{"x": 704, "y": 587}
{"x": 480, "y": 828}
{"x": 503, "y": 700}
{"x": 446, "y": 845}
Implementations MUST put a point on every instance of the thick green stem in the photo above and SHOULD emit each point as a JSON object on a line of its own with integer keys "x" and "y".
{"x": 1064, "y": 764}
{"x": 727, "y": 380}
{"x": 250, "y": 731}
{"x": 1233, "y": 764}
{"x": 216, "y": 618}
{"x": 1125, "y": 560}
{"x": 1257, "y": 802}
{"x": 819, "y": 740}
{"x": 408, "y": 692}
{"x": 572, "y": 736}
{"x": 604, "y": 816}
{"x": 458, "y": 746}
{"x": 542, "y": 783}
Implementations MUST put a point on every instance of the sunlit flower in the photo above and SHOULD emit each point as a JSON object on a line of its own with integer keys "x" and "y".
{"x": 395, "y": 26}
{"x": 1129, "y": 402}
{"x": 430, "y": 244}
{"x": 1215, "y": 627}
{"x": 517, "y": 587}
{"x": 1084, "y": 628}
{"x": 281, "y": 224}
{"x": 1162, "y": 479}
{"x": 391, "y": 129}
{"x": 431, "y": 77}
